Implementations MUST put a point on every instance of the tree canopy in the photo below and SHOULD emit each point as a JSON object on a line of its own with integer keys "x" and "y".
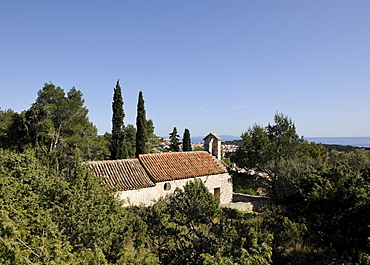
{"x": 264, "y": 148}
{"x": 65, "y": 219}
{"x": 321, "y": 209}
{"x": 192, "y": 228}
{"x": 56, "y": 126}
{"x": 53, "y": 210}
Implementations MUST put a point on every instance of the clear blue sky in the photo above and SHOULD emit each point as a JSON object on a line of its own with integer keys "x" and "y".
{"x": 217, "y": 66}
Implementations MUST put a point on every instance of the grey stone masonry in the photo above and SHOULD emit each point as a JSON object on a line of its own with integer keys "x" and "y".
{"x": 212, "y": 144}
{"x": 256, "y": 201}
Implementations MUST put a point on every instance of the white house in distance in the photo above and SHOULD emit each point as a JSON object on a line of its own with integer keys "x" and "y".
{"x": 151, "y": 177}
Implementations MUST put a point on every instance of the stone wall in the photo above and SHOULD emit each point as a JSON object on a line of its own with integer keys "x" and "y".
{"x": 161, "y": 190}
{"x": 212, "y": 144}
{"x": 256, "y": 201}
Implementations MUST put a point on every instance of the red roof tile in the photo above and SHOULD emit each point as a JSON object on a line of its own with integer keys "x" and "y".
{"x": 179, "y": 165}
{"x": 126, "y": 174}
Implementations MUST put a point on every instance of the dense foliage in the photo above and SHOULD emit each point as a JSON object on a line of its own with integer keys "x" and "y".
{"x": 328, "y": 147}
{"x": 343, "y": 148}
{"x": 191, "y": 228}
{"x": 265, "y": 148}
{"x": 56, "y": 126}
{"x": 54, "y": 211}
{"x": 322, "y": 202}
{"x": 152, "y": 139}
{"x": 65, "y": 219}
{"x": 130, "y": 140}
{"x": 73, "y": 219}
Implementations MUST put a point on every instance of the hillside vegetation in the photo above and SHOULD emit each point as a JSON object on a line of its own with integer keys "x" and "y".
{"x": 54, "y": 211}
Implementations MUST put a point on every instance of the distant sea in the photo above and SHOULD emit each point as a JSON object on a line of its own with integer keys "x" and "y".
{"x": 354, "y": 141}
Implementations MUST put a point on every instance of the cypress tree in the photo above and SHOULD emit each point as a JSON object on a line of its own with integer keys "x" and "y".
{"x": 174, "y": 146}
{"x": 186, "y": 142}
{"x": 117, "y": 146}
{"x": 141, "y": 134}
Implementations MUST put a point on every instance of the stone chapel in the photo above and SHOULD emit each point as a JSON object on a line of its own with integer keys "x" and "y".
{"x": 152, "y": 177}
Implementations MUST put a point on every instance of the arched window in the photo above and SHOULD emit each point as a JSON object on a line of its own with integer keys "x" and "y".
{"x": 167, "y": 186}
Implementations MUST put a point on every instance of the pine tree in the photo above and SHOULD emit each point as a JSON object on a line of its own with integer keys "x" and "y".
{"x": 141, "y": 134}
{"x": 186, "y": 142}
{"x": 117, "y": 146}
{"x": 58, "y": 126}
{"x": 174, "y": 146}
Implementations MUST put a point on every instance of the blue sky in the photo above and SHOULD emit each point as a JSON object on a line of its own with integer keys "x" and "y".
{"x": 217, "y": 66}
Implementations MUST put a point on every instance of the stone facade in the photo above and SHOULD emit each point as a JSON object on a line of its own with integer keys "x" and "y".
{"x": 220, "y": 184}
{"x": 212, "y": 144}
{"x": 153, "y": 177}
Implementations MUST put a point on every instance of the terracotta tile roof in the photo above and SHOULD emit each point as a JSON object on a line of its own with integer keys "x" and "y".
{"x": 126, "y": 174}
{"x": 179, "y": 165}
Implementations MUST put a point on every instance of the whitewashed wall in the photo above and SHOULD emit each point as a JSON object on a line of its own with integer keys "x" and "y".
{"x": 148, "y": 195}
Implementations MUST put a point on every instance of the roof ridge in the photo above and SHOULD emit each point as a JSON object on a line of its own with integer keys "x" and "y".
{"x": 171, "y": 153}
{"x": 109, "y": 161}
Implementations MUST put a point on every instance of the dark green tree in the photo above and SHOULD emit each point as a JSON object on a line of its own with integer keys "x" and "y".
{"x": 186, "y": 141}
{"x": 174, "y": 146}
{"x": 6, "y": 119}
{"x": 67, "y": 219}
{"x": 117, "y": 147}
{"x": 141, "y": 124}
{"x": 58, "y": 127}
{"x": 192, "y": 228}
{"x": 151, "y": 137}
{"x": 130, "y": 140}
{"x": 28, "y": 233}
{"x": 16, "y": 135}
{"x": 150, "y": 129}
{"x": 264, "y": 148}
{"x": 323, "y": 210}
{"x": 47, "y": 120}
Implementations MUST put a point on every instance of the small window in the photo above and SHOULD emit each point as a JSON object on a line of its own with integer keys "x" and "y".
{"x": 217, "y": 193}
{"x": 167, "y": 186}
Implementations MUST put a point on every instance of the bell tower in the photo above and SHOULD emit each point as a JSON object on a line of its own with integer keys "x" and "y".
{"x": 212, "y": 144}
